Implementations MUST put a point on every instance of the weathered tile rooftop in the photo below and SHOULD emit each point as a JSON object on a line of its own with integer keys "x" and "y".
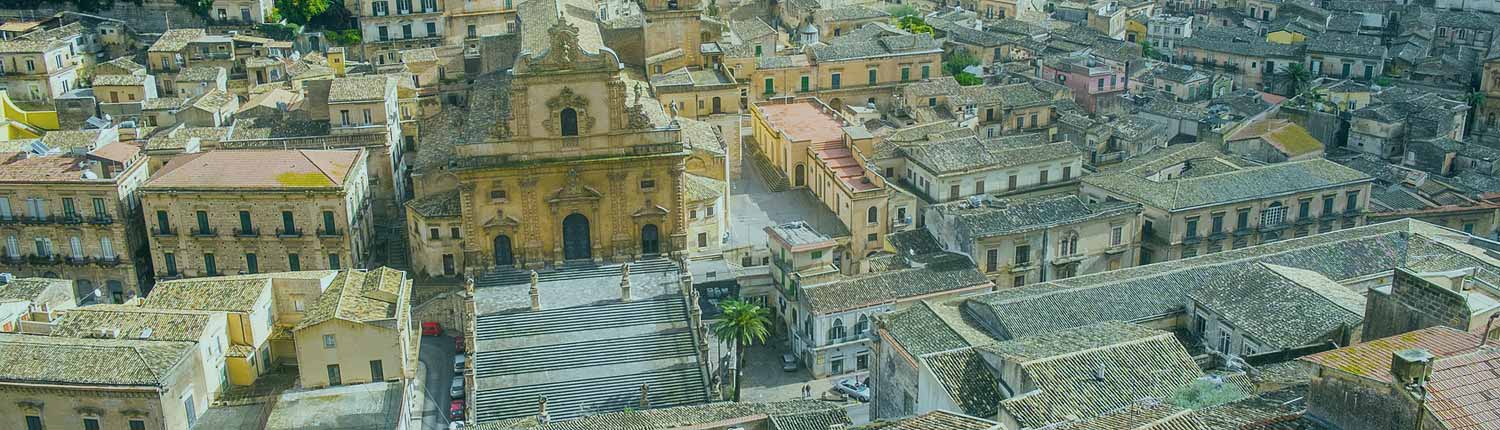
{"x": 119, "y": 80}
{"x": 1244, "y": 184}
{"x": 360, "y": 297}
{"x": 134, "y": 322}
{"x": 437, "y": 205}
{"x": 999, "y": 217}
{"x": 200, "y": 74}
{"x": 86, "y": 361}
{"x": 1372, "y": 359}
{"x": 359, "y": 88}
{"x": 264, "y": 169}
{"x": 968, "y": 380}
{"x": 968, "y": 154}
{"x": 679, "y": 417}
{"x": 933, "y": 420}
{"x": 1282, "y": 307}
{"x": 1346, "y": 44}
{"x": 1464, "y": 390}
{"x": 208, "y": 294}
{"x": 955, "y": 272}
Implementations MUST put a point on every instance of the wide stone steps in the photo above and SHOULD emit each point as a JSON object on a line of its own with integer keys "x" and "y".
{"x": 508, "y": 276}
{"x": 513, "y": 361}
{"x": 775, "y": 180}
{"x": 571, "y": 399}
{"x": 667, "y": 309}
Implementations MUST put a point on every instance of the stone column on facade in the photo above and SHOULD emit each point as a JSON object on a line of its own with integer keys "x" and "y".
{"x": 678, "y": 212}
{"x": 518, "y": 110}
{"x": 532, "y": 243}
{"x": 475, "y": 259}
{"x": 621, "y": 238}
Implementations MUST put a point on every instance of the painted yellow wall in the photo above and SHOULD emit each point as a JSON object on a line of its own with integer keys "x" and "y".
{"x": 46, "y": 120}
{"x": 1285, "y": 37}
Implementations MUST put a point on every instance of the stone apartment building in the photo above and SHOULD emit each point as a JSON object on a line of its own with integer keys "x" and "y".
{"x": 1345, "y": 56}
{"x": 388, "y": 27}
{"x": 41, "y": 65}
{"x": 953, "y": 169}
{"x": 384, "y": 105}
{"x": 864, "y": 66}
{"x": 1459, "y": 299}
{"x": 75, "y": 214}
{"x": 1020, "y": 241}
{"x": 1247, "y": 56}
{"x": 811, "y": 144}
{"x": 257, "y": 211}
{"x": 1190, "y": 208}
{"x": 1096, "y": 82}
{"x": 1488, "y": 118}
{"x": 1165, "y": 32}
{"x": 1011, "y": 109}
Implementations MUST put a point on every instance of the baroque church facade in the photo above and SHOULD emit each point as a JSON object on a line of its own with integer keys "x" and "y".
{"x": 577, "y": 163}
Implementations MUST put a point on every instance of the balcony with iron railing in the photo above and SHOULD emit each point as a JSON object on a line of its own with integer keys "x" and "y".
{"x": 322, "y": 232}
{"x": 42, "y": 260}
{"x": 163, "y": 231}
{"x": 101, "y": 219}
{"x": 110, "y": 261}
{"x": 288, "y": 233}
{"x": 250, "y": 232}
{"x": 204, "y": 232}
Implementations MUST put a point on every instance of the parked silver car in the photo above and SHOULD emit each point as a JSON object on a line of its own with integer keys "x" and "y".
{"x": 853, "y": 388}
{"x": 457, "y": 389}
{"x": 788, "y": 362}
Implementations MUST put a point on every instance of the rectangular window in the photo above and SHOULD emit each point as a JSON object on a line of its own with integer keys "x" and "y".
{"x": 991, "y": 260}
{"x": 90, "y": 424}
{"x": 1023, "y": 254}
{"x": 1242, "y": 219}
{"x": 288, "y": 222}
{"x": 137, "y": 425}
{"x": 210, "y": 266}
{"x": 106, "y": 248}
{"x": 69, "y": 210}
{"x": 905, "y": 74}
{"x": 953, "y": 192}
{"x": 343, "y": 117}
{"x": 1328, "y": 204}
{"x": 434, "y": 233}
{"x": 1067, "y": 170}
{"x": 473, "y": 32}
{"x": 1304, "y": 208}
{"x": 702, "y": 240}
{"x": 377, "y": 371}
{"x": 252, "y": 263}
{"x": 806, "y": 81}
{"x": 1216, "y": 223}
{"x": 979, "y": 187}
{"x": 1192, "y": 228}
{"x": 333, "y": 262}
{"x": 293, "y": 262}
{"x": 1018, "y": 281}
{"x": 453, "y": 232}
{"x": 926, "y": 71}
{"x": 367, "y": 117}
{"x": 872, "y": 76}
{"x": 431, "y": 29}
{"x": 329, "y": 227}
{"x": 329, "y": 341}
{"x": 770, "y": 86}
{"x": 834, "y": 80}
{"x": 202, "y": 217}
{"x": 171, "y": 263}
{"x": 1010, "y": 184}
{"x": 1116, "y": 235}
{"x": 163, "y": 226}
{"x": 245, "y": 225}
{"x": 5, "y": 213}
{"x": 33, "y": 422}
{"x": 100, "y": 210}
{"x": 1042, "y": 177}
{"x": 1351, "y": 201}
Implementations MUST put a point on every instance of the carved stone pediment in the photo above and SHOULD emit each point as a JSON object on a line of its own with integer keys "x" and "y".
{"x": 501, "y": 219}
{"x": 650, "y": 210}
{"x": 574, "y": 190}
{"x": 564, "y": 53}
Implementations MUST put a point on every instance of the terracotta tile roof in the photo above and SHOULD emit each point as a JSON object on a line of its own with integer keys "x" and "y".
{"x": 934, "y": 420}
{"x": 81, "y": 361}
{"x": 1464, "y": 391}
{"x": 359, "y": 296}
{"x": 1291, "y": 139}
{"x": 273, "y": 169}
{"x": 208, "y": 294}
{"x": 135, "y": 322}
{"x": 60, "y": 168}
{"x": 1372, "y": 359}
{"x": 119, "y": 152}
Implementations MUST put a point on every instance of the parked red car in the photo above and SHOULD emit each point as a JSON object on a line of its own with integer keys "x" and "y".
{"x": 456, "y": 411}
{"x": 431, "y": 328}
{"x": 459, "y": 343}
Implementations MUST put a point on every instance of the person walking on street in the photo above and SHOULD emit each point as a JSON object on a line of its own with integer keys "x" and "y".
{"x": 806, "y": 391}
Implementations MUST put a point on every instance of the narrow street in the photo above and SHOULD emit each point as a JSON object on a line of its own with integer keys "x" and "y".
{"x": 437, "y": 373}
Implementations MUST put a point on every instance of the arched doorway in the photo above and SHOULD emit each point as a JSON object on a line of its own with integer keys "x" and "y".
{"x": 799, "y": 175}
{"x": 503, "y": 254}
{"x": 650, "y": 242}
{"x": 576, "y": 244}
{"x": 718, "y": 107}
{"x": 569, "y": 122}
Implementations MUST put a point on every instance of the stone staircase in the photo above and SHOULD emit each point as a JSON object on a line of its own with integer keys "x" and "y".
{"x": 396, "y": 247}
{"x": 666, "y": 309}
{"x": 675, "y": 386}
{"x": 775, "y": 180}
{"x": 570, "y": 271}
{"x": 671, "y": 344}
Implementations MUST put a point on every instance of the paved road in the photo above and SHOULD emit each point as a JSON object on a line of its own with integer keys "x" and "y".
{"x": 437, "y": 373}
{"x": 766, "y": 382}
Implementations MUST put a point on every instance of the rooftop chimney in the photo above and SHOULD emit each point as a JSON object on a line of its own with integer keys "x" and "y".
{"x": 1411, "y": 366}
{"x": 536, "y": 305}
{"x": 625, "y": 282}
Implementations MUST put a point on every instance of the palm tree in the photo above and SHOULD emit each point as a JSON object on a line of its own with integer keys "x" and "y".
{"x": 1294, "y": 79}
{"x": 743, "y": 323}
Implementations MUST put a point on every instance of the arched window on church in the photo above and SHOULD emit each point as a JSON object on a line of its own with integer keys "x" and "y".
{"x": 569, "y": 122}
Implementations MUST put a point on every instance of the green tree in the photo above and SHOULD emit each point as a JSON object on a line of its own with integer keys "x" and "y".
{"x": 1294, "y": 79}
{"x": 913, "y": 24}
{"x": 958, "y": 60}
{"x": 1148, "y": 50}
{"x": 301, "y": 12}
{"x": 745, "y": 324}
{"x": 899, "y": 11}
